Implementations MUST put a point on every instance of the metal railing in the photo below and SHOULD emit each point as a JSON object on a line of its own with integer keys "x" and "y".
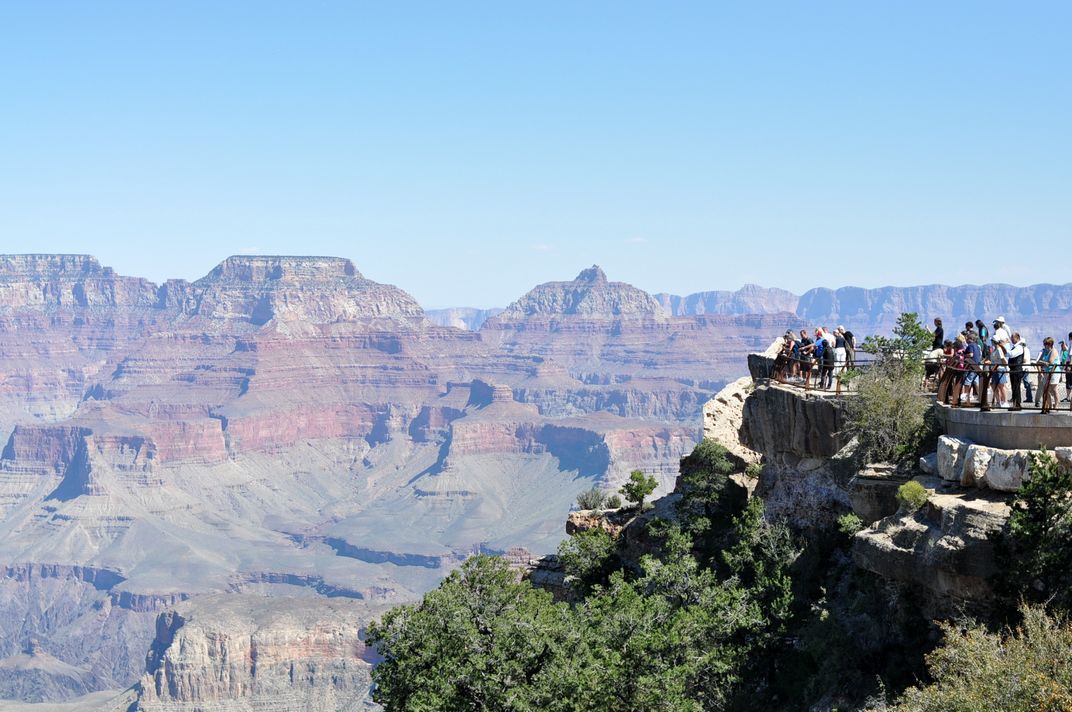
{"x": 828, "y": 376}
{"x": 969, "y": 385}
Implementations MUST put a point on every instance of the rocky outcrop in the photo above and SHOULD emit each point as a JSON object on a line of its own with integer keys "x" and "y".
{"x": 943, "y": 550}
{"x": 873, "y": 491}
{"x": 248, "y": 653}
{"x": 591, "y": 295}
{"x": 314, "y": 290}
{"x": 724, "y": 422}
{"x": 806, "y": 466}
{"x": 51, "y": 281}
{"x": 787, "y": 424}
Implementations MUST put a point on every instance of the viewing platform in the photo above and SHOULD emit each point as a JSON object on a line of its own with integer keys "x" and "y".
{"x": 1027, "y": 429}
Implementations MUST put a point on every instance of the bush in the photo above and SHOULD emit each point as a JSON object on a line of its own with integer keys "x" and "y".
{"x": 849, "y": 524}
{"x": 638, "y": 487}
{"x": 887, "y": 415}
{"x": 912, "y": 495}
{"x": 590, "y": 556}
{"x": 753, "y": 471}
{"x": 614, "y": 501}
{"x": 1029, "y": 668}
{"x": 592, "y": 499}
{"x": 1034, "y": 552}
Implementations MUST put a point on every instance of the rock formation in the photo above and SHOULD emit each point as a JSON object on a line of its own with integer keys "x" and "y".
{"x": 242, "y": 653}
{"x": 943, "y": 549}
{"x": 810, "y": 476}
{"x": 286, "y": 425}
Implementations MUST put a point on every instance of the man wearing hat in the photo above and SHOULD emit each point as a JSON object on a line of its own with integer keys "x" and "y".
{"x": 1000, "y": 332}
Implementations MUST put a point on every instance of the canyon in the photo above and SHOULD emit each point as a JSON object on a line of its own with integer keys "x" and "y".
{"x": 204, "y": 469}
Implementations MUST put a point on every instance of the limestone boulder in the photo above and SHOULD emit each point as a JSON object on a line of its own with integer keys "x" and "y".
{"x": 951, "y": 458}
{"x": 991, "y": 468}
{"x": 928, "y": 464}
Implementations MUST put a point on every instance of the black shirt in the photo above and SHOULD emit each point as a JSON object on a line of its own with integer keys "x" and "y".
{"x": 939, "y": 338}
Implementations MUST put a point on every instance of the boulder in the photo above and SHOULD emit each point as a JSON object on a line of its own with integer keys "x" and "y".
{"x": 991, "y": 468}
{"x": 928, "y": 464}
{"x": 951, "y": 458}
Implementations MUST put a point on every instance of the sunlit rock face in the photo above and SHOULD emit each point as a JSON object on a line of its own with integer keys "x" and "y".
{"x": 224, "y": 653}
{"x": 944, "y": 550}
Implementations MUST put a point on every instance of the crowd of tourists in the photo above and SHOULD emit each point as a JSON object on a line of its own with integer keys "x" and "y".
{"x": 827, "y": 355}
{"x": 999, "y": 360}
{"x": 980, "y": 366}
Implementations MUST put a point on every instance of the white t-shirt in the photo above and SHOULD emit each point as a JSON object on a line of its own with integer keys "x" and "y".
{"x": 1001, "y": 334}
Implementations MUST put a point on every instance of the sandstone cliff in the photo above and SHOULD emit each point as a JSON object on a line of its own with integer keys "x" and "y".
{"x": 286, "y": 426}
{"x": 239, "y": 653}
{"x": 942, "y": 552}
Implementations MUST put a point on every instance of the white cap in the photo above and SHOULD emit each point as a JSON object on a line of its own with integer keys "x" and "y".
{"x": 1000, "y": 320}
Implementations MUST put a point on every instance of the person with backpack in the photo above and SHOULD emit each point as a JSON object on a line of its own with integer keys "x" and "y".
{"x": 973, "y": 356}
{"x": 829, "y": 364}
{"x": 984, "y": 337}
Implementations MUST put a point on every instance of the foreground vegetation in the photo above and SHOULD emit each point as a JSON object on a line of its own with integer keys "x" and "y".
{"x": 711, "y": 607}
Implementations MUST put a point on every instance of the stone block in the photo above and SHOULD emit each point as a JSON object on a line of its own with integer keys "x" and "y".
{"x": 993, "y": 468}
{"x": 951, "y": 458}
{"x": 1063, "y": 455}
{"x": 928, "y": 464}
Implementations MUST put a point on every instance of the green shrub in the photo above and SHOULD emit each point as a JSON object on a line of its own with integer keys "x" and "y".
{"x": 1034, "y": 552}
{"x": 638, "y": 488}
{"x": 590, "y": 556}
{"x": 887, "y": 415}
{"x": 614, "y": 501}
{"x": 1027, "y": 669}
{"x": 912, "y": 495}
{"x": 593, "y": 498}
{"x": 753, "y": 471}
{"x": 849, "y": 524}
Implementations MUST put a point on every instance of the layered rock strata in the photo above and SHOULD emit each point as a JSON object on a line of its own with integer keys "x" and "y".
{"x": 238, "y": 653}
{"x": 288, "y": 426}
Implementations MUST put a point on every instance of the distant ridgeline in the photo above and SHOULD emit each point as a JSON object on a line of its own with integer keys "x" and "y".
{"x": 1033, "y": 309}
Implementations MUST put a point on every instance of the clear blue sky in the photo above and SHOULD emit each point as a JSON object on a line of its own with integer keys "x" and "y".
{"x": 469, "y": 151}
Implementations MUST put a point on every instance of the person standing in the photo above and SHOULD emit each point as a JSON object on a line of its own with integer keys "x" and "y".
{"x": 973, "y": 356}
{"x": 840, "y": 351}
{"x": 1000, "y": 377}
{"x": 1066, "y": 367}
{"x": 939, "y": 335}
{"x": 1000, "y": 332}
{"x": 807, "y": 348}
{"x": 850, "y": 347}
{"x": 1028, "y": 386}
{"x": 1015, "y": 353}
{"x": 984, "y": 337}
{"x": 1048, "y": 362}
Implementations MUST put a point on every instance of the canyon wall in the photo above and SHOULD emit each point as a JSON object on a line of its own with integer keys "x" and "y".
{"x": 287, "y": 428}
